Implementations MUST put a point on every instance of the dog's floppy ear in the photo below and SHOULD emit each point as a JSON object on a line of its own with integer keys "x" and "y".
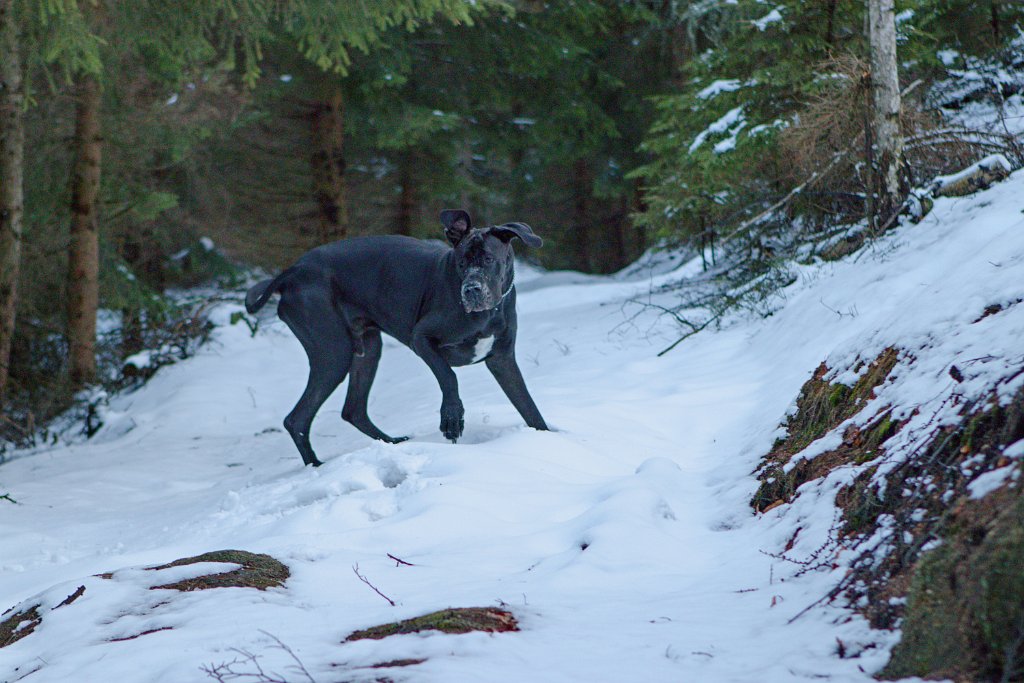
{"x": 507, "y": 231}
{"x": 457, "y": 224}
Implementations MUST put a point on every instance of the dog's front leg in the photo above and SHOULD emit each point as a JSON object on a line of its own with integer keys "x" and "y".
{"x": 452, "y": 412}
{"x": 506, "y": 370}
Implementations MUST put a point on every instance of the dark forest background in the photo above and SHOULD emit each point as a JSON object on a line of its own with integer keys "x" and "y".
{"x": 229, "y": 134}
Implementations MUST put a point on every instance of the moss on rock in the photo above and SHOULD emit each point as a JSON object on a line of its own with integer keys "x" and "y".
{"x": 451, "y": 620}
{"x": 257, "y": 571}
{"x": 965, "y": 612}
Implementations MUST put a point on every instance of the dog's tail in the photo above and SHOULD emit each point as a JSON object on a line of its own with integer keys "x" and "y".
{"x": 258, "y": 294}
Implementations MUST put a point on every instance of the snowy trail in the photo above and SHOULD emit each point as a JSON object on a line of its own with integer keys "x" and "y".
{"x": 623, "y": 541}
{"x": 632, "y": 475}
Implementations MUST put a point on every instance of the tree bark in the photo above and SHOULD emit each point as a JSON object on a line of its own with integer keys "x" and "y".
{"x": 12, "y": 146}
{"x": 994, "y": 21}
{"x": 328, "y": 162}
{"x": 406, "y": 196}
{"x": 83, "y": 250}
{"x": 885, "y": 87}
{"x": 830, "y": 35}
{"x": 582, "y": 186}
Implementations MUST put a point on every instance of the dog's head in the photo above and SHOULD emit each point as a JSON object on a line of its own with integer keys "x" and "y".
{"x": 483, "y": 257}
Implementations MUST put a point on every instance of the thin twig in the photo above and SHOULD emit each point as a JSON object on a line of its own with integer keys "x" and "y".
{"x": 355, "y": 568}
{"x": 694, "y": 329}
{"x": 400, "y": 561}
{"x": 299, "y": 666}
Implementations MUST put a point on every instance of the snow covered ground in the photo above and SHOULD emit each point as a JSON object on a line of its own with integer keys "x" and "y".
{"x": 622, "y": 541}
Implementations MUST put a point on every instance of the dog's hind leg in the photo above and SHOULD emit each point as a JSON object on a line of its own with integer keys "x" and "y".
{"x": 325, "y": 337}
{"x": 360, "y": 379}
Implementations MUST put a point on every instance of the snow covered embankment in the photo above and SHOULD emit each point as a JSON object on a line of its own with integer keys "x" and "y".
{"x": 623, "y": 542}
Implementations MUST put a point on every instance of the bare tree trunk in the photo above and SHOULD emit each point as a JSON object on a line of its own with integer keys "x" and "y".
{"x": 407, "y": 195}
{"x": 885, "y": 87}
{"x": 83, "y": 250}
{"x": 12, "y": 146}
{"x": 328, "y": 162}
{"x": 870, "y": 170}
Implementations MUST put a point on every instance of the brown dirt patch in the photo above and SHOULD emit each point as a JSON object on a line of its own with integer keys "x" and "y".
{"x": 9, "y": 628}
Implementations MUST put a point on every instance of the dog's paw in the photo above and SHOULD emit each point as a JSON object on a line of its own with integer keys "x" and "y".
{"x": 452, "y": 422}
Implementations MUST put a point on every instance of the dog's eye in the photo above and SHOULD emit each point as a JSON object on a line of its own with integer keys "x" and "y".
{"x": 488, "y": 259}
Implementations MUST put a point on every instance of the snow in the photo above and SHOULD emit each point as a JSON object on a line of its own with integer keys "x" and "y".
{"x": 947, "y": 57}
{"x": 985, "y": 95}
{"x": 719, "y": 86}
{"x": 730, "y": 118}
{"x": 989, "y": 163}
{"x": 140, "y": 360}
{"x": 992, "y": 480}
{"x": 772, "y": 17}
{"x": 622, "y": 540}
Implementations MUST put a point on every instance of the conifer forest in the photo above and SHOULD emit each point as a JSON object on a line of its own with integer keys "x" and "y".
{"x": 136, "y": 132}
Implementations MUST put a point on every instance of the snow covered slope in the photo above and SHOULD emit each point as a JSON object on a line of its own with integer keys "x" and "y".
{"x": 623, "y": 541}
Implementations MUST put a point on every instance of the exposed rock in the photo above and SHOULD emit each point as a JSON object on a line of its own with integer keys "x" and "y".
{"x": 451, "y": 620}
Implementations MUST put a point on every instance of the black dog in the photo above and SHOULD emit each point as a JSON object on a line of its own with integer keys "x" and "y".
{"x": 451, "y": 306}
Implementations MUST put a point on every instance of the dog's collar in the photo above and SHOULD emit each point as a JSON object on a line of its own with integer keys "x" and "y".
{"x": 507, "y": 292}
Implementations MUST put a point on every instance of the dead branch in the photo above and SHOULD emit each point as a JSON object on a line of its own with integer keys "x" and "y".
{"x": 400, "y": 561}
{"x": 246, "y": 666}
{"x": 355, "y": 568}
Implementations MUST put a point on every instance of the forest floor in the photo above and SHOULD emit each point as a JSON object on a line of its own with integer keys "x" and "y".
{"x": 623, "y": 542}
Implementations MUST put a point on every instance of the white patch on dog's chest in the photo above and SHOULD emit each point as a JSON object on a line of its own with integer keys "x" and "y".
{"x": 482, "y": 348}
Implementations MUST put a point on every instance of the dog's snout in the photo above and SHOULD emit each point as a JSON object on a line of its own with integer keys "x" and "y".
{"x": 475, "y": 295}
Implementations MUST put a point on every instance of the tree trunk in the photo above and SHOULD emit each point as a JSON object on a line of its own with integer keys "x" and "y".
{"x": 581, "y": 190}
{"x": 830, "y": 34}
{"x": 328, "y": 162}
{"x": 407, "y": 195}
{"x": 994, "y": 21}
{"x": 892, "y": 182}
{"x": 12, "y": 145}
{"x": 518, "y": 185}
{"x": 83, "y": 250}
